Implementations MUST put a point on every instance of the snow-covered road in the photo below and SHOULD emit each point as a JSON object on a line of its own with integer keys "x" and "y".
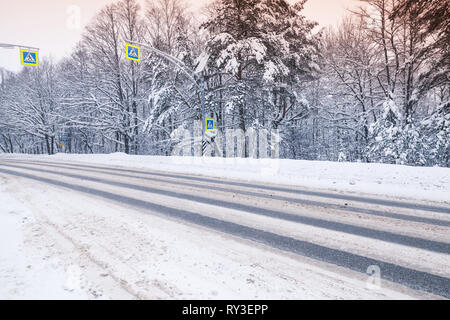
{"x": 135, "y": 233}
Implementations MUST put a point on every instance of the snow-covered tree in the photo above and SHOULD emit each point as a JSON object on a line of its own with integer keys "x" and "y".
{"x": 32, "y": 102}
{"x": 375, "y": 88}
{"x": 436, "y": 130}
{"x": 259, "y": 53}
{"x": 395, "y": 143}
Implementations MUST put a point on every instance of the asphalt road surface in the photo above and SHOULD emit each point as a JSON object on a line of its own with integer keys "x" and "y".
{"x": 408, "y": 241}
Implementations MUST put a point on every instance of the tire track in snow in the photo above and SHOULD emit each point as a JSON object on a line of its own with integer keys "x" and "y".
{"x": 293, "y": 189}
{"x": 321, "y": 204}
{"x": 426, "y": 244}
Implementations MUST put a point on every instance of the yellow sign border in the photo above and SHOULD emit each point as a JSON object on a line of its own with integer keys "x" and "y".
{"x": 26, "y": 63}
{"x": 139, "y": 52}
{"x": 206, "y": 124}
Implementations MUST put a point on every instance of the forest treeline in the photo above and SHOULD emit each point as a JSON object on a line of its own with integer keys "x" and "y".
{"x": 375, "y": 88}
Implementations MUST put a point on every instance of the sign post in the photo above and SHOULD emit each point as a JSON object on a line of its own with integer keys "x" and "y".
{"x": 192, "y": 75}
{"x": 29, "y": 56}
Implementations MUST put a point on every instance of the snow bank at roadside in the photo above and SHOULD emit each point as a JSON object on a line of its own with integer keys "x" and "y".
{"x": 419, "y": 183}
{"x": 23, "y": 276}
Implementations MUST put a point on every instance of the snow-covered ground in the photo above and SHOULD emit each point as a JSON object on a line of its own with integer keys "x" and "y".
{"x": 396, "y": 181}
{"x": 24, "y": 275}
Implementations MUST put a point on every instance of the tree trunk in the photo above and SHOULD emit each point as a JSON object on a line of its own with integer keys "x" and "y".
{"x": 47, "y": 142}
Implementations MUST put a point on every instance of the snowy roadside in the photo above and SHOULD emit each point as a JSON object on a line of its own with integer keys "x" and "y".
{"x": 396, "y": 181}
{"x": 24, "y": 275}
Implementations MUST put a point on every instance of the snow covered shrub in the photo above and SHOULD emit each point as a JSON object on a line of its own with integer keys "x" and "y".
{"x": 395, "y": 142}
{"x": 436, "y": 130}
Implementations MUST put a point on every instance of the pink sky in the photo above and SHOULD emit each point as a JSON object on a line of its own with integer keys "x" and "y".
{"x": 43, "y": 23}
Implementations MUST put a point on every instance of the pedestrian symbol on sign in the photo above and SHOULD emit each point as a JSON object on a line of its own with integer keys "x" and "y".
{"x": 210, "y": 125}
{"x": 133, "y": 52}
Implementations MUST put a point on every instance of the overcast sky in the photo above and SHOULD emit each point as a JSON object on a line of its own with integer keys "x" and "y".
{"x": 50, "y": 24}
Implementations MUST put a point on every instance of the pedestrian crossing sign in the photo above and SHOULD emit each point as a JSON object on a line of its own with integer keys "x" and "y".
{"x": 133, "y": 52}
{"x": 210, "y": 125}
{"x": 64, "y": 138}
{"x": 29, "y": 57}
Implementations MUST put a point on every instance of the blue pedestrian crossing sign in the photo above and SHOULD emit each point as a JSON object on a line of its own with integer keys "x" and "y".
{"x": 133, "y": 52}
{"x": 210, "y": 125}
{"x": 64, "y": 138}
{"x": 29, "y": 57}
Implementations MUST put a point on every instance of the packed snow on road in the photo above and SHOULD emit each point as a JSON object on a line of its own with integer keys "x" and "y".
{"x": 96, "y": 242}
